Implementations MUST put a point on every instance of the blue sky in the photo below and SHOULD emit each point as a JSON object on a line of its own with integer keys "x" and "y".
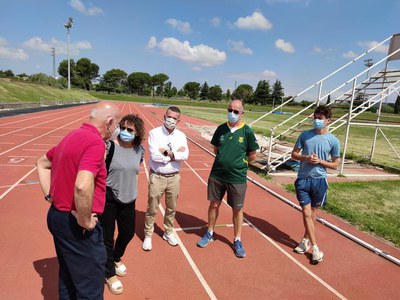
{"x": 219, "y": 41}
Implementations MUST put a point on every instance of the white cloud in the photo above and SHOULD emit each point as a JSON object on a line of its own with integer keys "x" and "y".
{"x": 38, "y": 45}
{"x": 350, "y": 55}
{"x": 255, "y": 21}
{"x": 183, "y": 27}
{"x": 238, "y": 46}
{"x": 202, "y": 55}
{"x": 370, "y": 44}
{"x": 215, "y": 21}
{"x": 284, "y": 46}
{"x": 79, "y": 6}
{"x": 152, "y": 43}
{"x": 267, "y": 74}
{"x": 14, "y": 54}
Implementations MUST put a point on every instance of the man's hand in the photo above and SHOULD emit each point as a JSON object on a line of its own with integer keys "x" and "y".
{"x": 86, "y": 224}
{"x": 313, "y": 159}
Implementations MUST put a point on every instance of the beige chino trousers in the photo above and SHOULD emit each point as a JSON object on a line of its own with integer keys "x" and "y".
{"x": 158, "y": 186}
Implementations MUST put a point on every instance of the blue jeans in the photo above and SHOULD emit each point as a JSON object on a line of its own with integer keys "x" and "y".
{"x": 81, "y": 256}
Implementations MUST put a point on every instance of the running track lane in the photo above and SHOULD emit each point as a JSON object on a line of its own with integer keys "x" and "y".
{"x": 270, "y": 270}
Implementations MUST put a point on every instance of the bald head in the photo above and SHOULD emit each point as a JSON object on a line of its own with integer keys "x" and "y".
{"x": 105, "y": 117}
{"x": 104, "y": 110}
{"x": 236, "y": 104}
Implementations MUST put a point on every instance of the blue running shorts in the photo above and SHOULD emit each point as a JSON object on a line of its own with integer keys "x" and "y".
{"x": 311, "y": 190}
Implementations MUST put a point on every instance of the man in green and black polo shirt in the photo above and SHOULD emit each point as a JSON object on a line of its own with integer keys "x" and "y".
{"x": 234, "y": 146}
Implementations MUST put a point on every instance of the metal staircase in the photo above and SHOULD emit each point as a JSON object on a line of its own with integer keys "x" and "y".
{"x": 372, "y": 91}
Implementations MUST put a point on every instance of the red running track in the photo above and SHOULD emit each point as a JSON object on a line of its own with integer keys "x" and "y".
{"x": 270, "y": 270}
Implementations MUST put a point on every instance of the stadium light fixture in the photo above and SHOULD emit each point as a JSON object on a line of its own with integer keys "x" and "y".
{"x": 68, "y": 25}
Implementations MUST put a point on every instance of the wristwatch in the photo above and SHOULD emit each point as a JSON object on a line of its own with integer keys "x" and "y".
{"x": 165, "y": 153}
{"x": 48, "y": 197}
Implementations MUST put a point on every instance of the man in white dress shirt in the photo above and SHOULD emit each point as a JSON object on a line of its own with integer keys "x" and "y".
{"x": 168, "y": 148}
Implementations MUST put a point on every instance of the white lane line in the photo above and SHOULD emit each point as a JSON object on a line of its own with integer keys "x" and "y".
{"x": 42, "y": 135}
{"x": 40, "y": 150}
{"x": 299, "y": 264}
{"x": 35, "y": 125}
{"x": 15, "y": 184}
{"x": 58, "y": 112}
{"x": 20, "y": 184}
{"x": 16, "y": 165}
{"x": 205, "y": 227}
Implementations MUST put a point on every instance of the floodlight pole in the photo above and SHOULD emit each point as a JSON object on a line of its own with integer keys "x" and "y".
{"x": 368, "y": 63}
{"x": 68, "y": 25}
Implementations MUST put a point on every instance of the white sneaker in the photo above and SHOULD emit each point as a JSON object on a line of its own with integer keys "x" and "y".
{"x": 170, "y": 238}
{"x": 147, "y": 244}
{"x": 317, "y": 256}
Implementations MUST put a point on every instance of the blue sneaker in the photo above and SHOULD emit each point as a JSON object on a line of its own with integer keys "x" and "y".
{"x": 205, "y": 240}
{"x": 238, "y": 249}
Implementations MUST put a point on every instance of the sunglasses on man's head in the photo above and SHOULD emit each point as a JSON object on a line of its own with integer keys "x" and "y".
{"x": 236, "y": 112}
{"x": 130, "y": 130}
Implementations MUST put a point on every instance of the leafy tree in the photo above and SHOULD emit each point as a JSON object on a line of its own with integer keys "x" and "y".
{"x": 158, "y": 81}
{"x": 204, "y": 91}
{"x": 63, "y": 68}
{"x": 262, "y": 94}
{"x": 228, "y": 95}
{"x": 397, "y": 105}
{"x": 139, "y": 82}
{"x": 113, "y": 81}
{"x": 85, "y": 72}
{"x": 192, "y": 89}
{"x": 215, "y": 93}
{"x": 182, "y": 93}
{"x": 169, "y": 90}
{"x": 244, "y": 92}
{"x": 44, "y": 80}
{"x": 277, "y": 93}
{"x": 6, "y": 74}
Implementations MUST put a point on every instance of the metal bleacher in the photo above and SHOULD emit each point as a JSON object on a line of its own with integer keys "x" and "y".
{"x": 355, "y": 95}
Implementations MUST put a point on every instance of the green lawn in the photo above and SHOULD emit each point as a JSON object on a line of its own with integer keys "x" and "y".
{"x": 12, "y": 91}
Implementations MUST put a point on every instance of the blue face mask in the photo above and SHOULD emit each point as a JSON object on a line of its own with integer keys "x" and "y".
{"x": 126, "y": 136}
{"x": 232, "y": 117}
{"x": 318, "y": 124}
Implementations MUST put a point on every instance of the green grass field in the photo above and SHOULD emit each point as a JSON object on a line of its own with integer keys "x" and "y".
{"x": 12, "y": 91}
{"x": 372, "y": 206}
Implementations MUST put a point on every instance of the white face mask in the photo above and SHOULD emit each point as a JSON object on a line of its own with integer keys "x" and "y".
{"x": 170, "y": 123}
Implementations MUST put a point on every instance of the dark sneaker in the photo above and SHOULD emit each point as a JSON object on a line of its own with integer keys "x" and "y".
{"x": 317, "y": 256}
{"x": 303, "y": 246}
{"x": 238, "y": 249}
{"x": 205, "y": 240}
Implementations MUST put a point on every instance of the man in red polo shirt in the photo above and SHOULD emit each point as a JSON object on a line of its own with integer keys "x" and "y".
{"x": 72, "y": 175}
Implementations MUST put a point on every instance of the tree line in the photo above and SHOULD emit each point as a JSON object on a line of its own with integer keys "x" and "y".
{"x": 85, "y": 75}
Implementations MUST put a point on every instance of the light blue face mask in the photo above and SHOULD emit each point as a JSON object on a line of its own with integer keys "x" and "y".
{"x": 232, "y": 117}
{"x": 318, "y": 124}
{"x": 126, "y": 136}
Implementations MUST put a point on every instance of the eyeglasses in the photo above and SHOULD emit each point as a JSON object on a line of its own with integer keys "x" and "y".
{"x": 130, "y": 130}
{"x": 236, "y": 112}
